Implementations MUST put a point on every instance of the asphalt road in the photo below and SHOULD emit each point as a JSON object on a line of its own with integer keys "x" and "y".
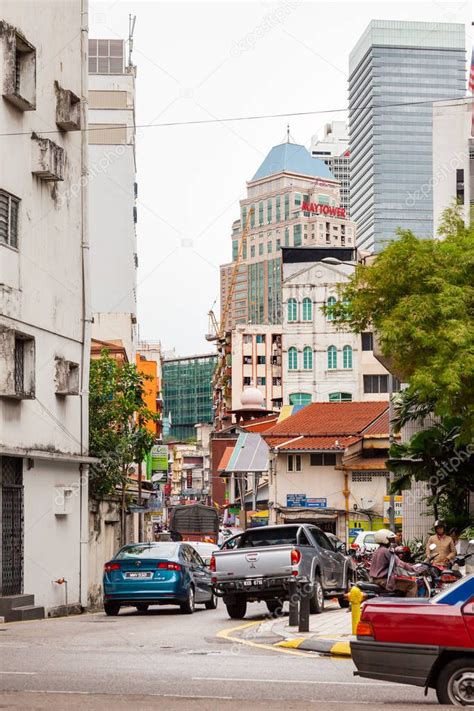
{"x": 163, "y": 659}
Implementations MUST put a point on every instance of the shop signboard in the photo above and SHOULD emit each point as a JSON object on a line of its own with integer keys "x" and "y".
{"x": 316, "y": 503}
{"x": 398, "y": 503}
{"x": 159, "y": 458}
{"x": 296, "y": 500}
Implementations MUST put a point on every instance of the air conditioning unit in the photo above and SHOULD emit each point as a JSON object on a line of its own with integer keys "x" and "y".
{"x": 66, "y": 377}
{"x": 68, "y": 109}
{"x": 47, "y": 159}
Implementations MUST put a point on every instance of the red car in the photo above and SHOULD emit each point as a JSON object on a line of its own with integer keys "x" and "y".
{"x": 424, "y": 642}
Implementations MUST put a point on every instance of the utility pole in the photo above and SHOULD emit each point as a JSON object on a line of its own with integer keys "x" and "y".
{"x": 391, "y": 507}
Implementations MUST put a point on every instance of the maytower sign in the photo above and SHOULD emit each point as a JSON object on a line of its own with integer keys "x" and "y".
{"x": 323, "y": 209}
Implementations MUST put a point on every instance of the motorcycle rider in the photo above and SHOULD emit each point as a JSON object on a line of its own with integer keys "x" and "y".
{"x": 445, "y": 547}
{"x": 384, "y": 564}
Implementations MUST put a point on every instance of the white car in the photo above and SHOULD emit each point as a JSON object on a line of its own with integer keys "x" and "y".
{"x": 205, "y": 550}
{"x": 364, "y": 540}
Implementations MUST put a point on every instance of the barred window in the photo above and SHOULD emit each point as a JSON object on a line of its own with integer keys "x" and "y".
{"x": 9, "y": 206}
{"x": 362, "y": 477}
{"x": 106, "y": 56}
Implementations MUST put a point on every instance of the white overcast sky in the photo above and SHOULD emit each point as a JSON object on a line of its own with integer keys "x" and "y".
{"x": 198, "y": 60}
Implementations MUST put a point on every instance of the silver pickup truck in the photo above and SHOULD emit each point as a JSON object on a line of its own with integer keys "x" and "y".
{"x": 260, "y": 563}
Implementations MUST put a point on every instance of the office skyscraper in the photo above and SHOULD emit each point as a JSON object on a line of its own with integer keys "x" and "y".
{"x": 396, "y": 70}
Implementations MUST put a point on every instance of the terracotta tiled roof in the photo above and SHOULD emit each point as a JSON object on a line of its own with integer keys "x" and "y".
{"x": 260, "y": 424}
{"x": 225, "y": 458}
{"x": 331, "y": 418}
{"x": 292, "y": 444}
{"x": 379, "y": 427}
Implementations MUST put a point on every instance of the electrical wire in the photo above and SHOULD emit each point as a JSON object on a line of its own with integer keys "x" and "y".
{"x": 258, "y": 117}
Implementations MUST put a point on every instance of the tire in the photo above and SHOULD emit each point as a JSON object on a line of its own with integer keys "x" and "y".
{"x": 316, "y": 603}
{"x": 188, "y": 607}
{"x": 111, "y": 609}
{"x": 142, "y": 607}
{"x": 237, "y": 609}
{"x": 274, "y": 607}
{"x": 455, "y": 685}
{"x": 212, "y": 603}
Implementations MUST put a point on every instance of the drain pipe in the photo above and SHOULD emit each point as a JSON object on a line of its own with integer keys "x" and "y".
{"x": 86, "y": 316}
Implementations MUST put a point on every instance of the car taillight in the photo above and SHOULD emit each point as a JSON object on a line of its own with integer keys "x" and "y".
{"x": 169, "y": 566}
{"x": 108, "y": 567}
{"x": 212, "y": 564}
{"x": 295, "y": 556}
{"x": 354, "y": 546}
{"x": 365, "y": 629}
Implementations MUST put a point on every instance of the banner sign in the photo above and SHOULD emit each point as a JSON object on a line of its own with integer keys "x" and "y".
{"x": 159, "y": 458}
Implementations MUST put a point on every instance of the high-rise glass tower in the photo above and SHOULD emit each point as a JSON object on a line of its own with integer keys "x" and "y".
{"x": 396, "y": 70}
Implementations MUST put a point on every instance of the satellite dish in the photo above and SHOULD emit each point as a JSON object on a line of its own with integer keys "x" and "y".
{"x": 367, "y": 504}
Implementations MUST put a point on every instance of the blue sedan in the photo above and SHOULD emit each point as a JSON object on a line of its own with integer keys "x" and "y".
{"x": 163, "y": 573}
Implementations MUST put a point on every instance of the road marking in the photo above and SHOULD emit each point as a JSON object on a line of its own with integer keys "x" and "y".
{"x": 107, "y": 693}
{"x": 227, "y": 634}
{"x": 19, "y": 672}
{"x": 293, "y": 681}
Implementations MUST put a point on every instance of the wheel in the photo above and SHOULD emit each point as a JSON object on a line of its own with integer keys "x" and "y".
{"x": 188, "y": 606}
{"x": 111, "y": 609}
{"x": 212, "y": 603}
{"x": 237, "y": 609}
{"x": 343, "y": 602}
{"x": 274, "y": 607}
{"x": 142, "y": 607}
{"x": 455, "y": 684}
{"x": 316, "y": 603}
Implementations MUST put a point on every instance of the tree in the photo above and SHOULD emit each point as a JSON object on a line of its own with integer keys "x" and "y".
{"x": 418, "y": 296}
{"x": 117, "y": 423}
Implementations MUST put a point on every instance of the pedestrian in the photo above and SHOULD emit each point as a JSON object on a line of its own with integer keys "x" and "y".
{"x": 445, "y": 549}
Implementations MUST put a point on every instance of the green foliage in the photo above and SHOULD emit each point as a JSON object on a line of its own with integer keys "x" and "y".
{"x": 418, "y": 296}
{"x": 433, "y": 456}
{"x": 117, "y": 418}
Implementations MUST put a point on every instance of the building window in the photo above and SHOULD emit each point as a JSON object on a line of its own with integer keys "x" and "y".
{"x": 460, "y": 186}
{"x": 332, "y": 358}
{"x": 260, "y": 248}
{"x": 269, "y": 247}
{"x": 294, "y": 462}
{"x": 260, "y": 213}
{"x": 252, "y": 251}
{"x": 9, "y": 206}
{"x": 261, "y": 381}
{"x": 278, "y": 245}
{"x": 300, "y": 399}
{"x": 292, "y": 359}
{"x": 322, "y": 459}
{"x": 307, "y": 309}
{"x": 292, "y": 310}
{"x": 297, "y": 236}
{"x": 347, "y": 357}
{"x": 376, "y": 383}
{"x": 278, "y": 208}
{"x": 367, "y": 341}
{"x": 247, "y": 338}
{"x": 269, "y": 211}
{"x": 260, "y": 338}
{"x": 106, "y": 56}
{"x": 287, "y": 206}
{"x": 247, "y": 380}
{"x": 298, "y": 199}
{"x": 247, "y": 360}
{"x": 276, "y": 381}
{"x": 340, "y": 397}
{"x": 235, "y": 249}
{"x": 261, "y": 360}
{"x": 252, "y": 216}
{"x": 331, "y": 302}
{"x": 287, "y": 236}
{"x": 308, "y": 358}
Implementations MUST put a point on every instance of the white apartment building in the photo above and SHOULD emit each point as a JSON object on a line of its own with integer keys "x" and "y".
{"x": 333, "y": 149}
{"x": 113, "y": 212}
{"x": 453, "y": 158}
{"x": 322, "y": 363}
{"x": 44, "y": 308}
{"x": 256, "y": 360}
{"x": 293, "y": 200}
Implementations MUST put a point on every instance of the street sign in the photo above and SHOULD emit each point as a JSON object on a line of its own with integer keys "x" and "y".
{"x": 296, "y": 500}
{"x": 316, "y": 503}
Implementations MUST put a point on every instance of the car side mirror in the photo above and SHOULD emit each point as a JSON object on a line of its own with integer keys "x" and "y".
{"x": 341, "y": 547}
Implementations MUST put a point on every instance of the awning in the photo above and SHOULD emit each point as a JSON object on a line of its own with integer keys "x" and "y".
{"x": 307, "y": 515}
{"x": 262, "y": 494}
{"x": 357, "y": 464}
{"x": 250, "y": 455}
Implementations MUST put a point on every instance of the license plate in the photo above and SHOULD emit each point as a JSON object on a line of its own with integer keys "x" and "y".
{"x": 256, "y": 581}
{"x": 141, "y": 575}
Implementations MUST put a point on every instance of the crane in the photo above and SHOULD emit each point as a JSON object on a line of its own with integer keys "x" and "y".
{"x": 217, "y": 330}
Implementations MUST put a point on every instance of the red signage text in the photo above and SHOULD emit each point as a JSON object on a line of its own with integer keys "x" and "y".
{"x": 323, "y": 209}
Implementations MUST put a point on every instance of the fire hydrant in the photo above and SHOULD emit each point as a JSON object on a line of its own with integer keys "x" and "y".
{"x": 355, "y": 597}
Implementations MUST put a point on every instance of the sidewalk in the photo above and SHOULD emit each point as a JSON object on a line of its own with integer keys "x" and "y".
{"x": 330, "y": 632}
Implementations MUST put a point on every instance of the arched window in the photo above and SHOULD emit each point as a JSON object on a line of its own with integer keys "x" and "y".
{"x": 292, "y": 310}
{"x": 347, "y": 357}
{"x": 307, "y": 309}
{"x": 330, "y": 303}
{"x": 340, "y": 397}
{"x": 292, "y": 358}
{"x": 332, "y": 357}
{"x": 300, "y": 398}
{"x": 308, "y": 358}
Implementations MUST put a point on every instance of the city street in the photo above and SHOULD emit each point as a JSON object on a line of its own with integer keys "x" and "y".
{"x": 164, "y": 658}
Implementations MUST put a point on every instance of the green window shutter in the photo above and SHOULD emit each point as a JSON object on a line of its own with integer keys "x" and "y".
{"x": 235, "y": 249}
{"x": 292, "y": 359}
{"x": 307, "y": 309}
{"x": 292, "y": 310}
{"x": 347, "y": 357}
{"x": 287, "y": 206}
{"x": 277, "y": 208}
{"x": 332, "y": 357}
{"x": 260, "y": 213}
{"x": 330, "y": 303}
{"x": 269, "y": 211}
{"x": 252, "y": 217}
{"x": 308, "y": 358}
{"x": 297, "y": 236}
{"x": 287, "y": 236}
{"x": 300, "y": 399}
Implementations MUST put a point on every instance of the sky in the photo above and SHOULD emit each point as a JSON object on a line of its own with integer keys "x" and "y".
{"x": 214, "y": 60}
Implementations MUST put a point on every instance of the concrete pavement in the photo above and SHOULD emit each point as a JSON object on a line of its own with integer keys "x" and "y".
{"x": 163, "y": 659}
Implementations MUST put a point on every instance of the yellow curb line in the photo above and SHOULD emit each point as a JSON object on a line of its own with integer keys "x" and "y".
{"x": 343, "y": 649}
{"x": 295, "y": 642}
{"x": 227, "y": 634}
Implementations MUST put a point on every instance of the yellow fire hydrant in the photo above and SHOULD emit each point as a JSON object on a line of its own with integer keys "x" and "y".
{"x": 355, "y": 597}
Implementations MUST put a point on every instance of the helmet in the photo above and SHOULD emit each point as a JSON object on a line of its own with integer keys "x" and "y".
{"x": 439, "y": 523}
{"x": 384, "y": 536}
